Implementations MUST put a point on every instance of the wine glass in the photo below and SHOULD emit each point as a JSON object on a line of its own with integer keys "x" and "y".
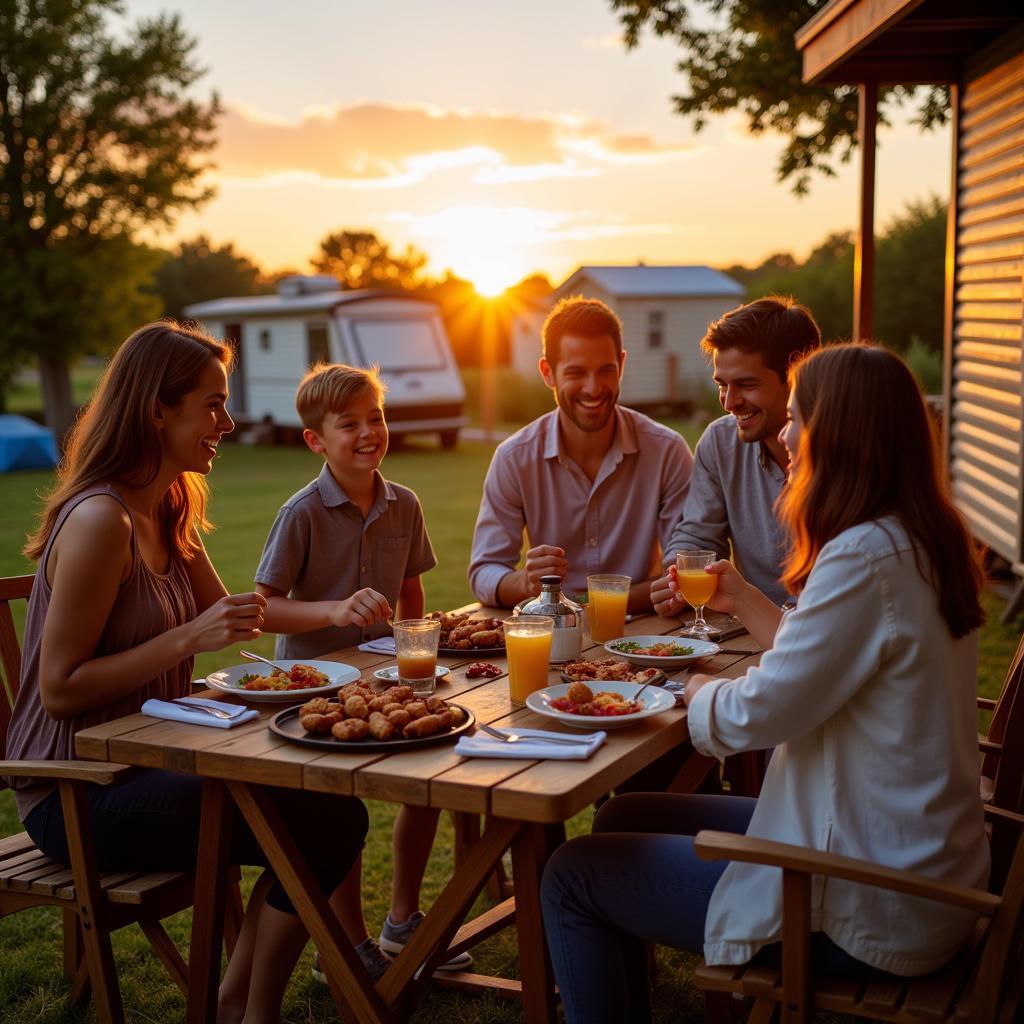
{"x": 697, "y": 587}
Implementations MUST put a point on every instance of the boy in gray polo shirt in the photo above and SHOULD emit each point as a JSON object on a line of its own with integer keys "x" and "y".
{"x": 343, "y": 552}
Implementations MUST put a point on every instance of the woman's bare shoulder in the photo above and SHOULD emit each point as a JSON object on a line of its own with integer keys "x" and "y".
{"x": 100, "y": 518}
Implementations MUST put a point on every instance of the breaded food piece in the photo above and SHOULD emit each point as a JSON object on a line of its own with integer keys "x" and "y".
{"x": 417, "y": 708}
{"x": 318, "y": 706}
{"x": 381, "y": 728}
{"x": 458, "y": 716}
{"x": 580, "y": 693}
{"x": 445, "y": 718}
{"x": 425, "y": 726}
{"x": 351, "y": 729}
{"x": 398, "y": 694}
{"x": 377, "y": 703}
{"x": 395, "y": 705}
{"x": 435, "y": 704}
{"x": 315, "y": 723}
{"x": 356, "y": 707}
{"x": 486, "y": 638}
{"x": 399, "y": 718}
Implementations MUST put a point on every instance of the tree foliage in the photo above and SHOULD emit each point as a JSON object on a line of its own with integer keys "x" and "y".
{"x": 741, "y": 55}
{"x": 99, "y": 136}
{"x": 909, "y": 280}
{"x": 197, "y": 270}
{"x": 359, "y": 259}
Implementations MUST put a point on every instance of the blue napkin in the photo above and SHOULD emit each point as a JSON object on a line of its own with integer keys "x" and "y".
{"x": 180, "y": 712}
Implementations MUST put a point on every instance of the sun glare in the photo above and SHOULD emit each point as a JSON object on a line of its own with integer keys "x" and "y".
{"x": 484, "y": 244}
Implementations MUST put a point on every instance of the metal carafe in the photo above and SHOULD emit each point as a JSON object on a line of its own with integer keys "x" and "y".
{"x": 567, "y": 635}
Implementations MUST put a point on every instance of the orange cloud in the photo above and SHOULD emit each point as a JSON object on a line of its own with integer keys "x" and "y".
{"x": 371, "y": 145}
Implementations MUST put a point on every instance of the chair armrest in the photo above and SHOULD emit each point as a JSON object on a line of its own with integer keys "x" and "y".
{"x": 988, "y": 747}
{"x": 984, "y": 704}
{"x": 999, "y": 814}
{"x": 103, "y": 773}
{"x": 728, "y": 846}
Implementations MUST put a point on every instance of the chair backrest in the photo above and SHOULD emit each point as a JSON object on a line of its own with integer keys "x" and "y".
{"x": 1000, "y": 716}
{"x": 12, "y": 588}
{"x": 997, "y": 988}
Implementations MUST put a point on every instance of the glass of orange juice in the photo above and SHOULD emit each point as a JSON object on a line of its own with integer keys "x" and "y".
{"x": 607, "y": 596}
{"x": 416, "y": 646}
{"x": 528, "y": 646}
{"x": 697, "y": 587}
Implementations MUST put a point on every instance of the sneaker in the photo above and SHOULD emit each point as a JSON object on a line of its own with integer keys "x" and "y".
{"x": 375, "y": 962}
{"x": 393, "y": 938}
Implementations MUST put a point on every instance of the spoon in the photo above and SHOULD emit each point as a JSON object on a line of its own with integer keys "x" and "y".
{"x": 266, "y": 661}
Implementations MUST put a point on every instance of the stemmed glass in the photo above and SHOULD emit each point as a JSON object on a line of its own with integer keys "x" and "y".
{"x": 697, "y": 587}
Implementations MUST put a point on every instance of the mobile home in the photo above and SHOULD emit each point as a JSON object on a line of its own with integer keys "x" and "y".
{"x": 277, "y": 337}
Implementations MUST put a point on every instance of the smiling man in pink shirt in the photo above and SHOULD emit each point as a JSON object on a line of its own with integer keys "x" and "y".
{"x": 597, "y": 487}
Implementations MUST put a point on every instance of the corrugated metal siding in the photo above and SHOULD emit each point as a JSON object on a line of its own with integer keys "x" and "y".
{"x": 986, "y": 414}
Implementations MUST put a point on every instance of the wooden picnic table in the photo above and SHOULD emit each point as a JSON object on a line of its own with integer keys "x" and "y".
{"x": 516, "y": 799}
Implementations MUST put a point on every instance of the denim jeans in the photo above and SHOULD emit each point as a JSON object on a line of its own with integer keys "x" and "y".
{"x": 638, "y": 879}
{"x": 151, "y": 822}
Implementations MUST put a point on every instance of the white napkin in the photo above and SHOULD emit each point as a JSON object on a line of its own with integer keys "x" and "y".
{"x": 382, "y": 645}
{"x": 180, "y": 712}
{"x": 482, "y": 745}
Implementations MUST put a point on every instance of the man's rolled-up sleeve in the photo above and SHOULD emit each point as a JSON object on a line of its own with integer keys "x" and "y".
{"x": 498, "y": 536}
{"x": 825, "y": 650}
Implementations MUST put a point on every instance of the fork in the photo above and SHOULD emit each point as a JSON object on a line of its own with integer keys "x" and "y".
{"x": 216, "y": 712}
{"x": 514, "y": 737}
{"x": 266, "y": 661}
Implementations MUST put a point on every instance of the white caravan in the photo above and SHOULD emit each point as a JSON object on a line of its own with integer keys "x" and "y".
{"x": 278, "y": 337}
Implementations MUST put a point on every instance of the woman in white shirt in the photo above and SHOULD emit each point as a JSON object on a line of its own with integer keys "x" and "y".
{"x": 866, "y": 692}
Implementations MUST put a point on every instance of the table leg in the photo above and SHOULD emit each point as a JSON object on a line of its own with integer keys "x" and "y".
{"x": 429, "y": 943}
{"x": 529, "y": 854}
{"x": 209, "y": 903}
{"x": 350, "y": 984}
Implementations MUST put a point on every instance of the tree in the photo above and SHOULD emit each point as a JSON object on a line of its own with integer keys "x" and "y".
{"x": 98, "y": 138}
{"x": 741, "y": 55}
{"x": 909, "y": 282}
{"x": 197, "y": 271}
{"x": 359, "y": 259}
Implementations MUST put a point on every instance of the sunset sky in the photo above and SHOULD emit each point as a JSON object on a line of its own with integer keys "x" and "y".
{"x": 499, "y": 138}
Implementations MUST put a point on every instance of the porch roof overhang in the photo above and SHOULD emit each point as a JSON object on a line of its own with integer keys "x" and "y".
{"x": 899, "y": 41}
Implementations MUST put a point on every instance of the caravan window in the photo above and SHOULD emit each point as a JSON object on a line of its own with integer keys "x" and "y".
{"x": 655, "y": 328}
{"x": 399, "y": 343}
{"x": 317, "y": 347}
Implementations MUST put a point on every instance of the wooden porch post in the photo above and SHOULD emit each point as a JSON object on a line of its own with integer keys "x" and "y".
{"x": 864, "y": 256}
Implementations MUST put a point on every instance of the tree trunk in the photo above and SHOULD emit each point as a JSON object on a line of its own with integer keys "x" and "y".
{"x": 58, "y": 406}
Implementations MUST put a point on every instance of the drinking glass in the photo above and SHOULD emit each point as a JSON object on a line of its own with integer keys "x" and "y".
{"x": 416, "y": 646}
{"x": 528, "y": 647}
{"x": 697, "y": 587}
{"x": 607, "y": 596}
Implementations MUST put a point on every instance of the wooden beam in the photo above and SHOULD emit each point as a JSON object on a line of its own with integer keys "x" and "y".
{"x": 841, "y": 29}
{"x": 864, "y": 255}
{"x": 910, "y": 69}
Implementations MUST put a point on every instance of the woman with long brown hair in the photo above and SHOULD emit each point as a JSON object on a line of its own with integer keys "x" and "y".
{"x": 124, "y": 598}
{"x": 866, "y": 692}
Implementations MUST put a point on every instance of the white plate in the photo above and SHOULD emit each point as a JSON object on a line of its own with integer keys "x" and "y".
{"x": 654, "y": 699}
{"x": 338, "y": 672}
{"x": 701, "y": 649}
{"x": 389, "y": 674}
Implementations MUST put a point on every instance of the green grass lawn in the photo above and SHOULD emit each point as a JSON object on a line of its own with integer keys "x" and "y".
{"x": 248, "y": 486}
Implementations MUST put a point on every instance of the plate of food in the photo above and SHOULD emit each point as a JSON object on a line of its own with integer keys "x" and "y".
{"x": 611, "y": 670}
{"x": 389, "y": 674}
{"x": 661, "y": 651}
{"x": 361, "y": 720}
{"x": 304, "y": 679}
{"x": 468, "y": 634}
{"x": 604, "y": 705}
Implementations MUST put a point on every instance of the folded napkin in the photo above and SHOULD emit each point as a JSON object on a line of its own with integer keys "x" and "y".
{"x": 181, "y": 713}
{"x": 482, "y": 745}
{"x": 382, "y": 645}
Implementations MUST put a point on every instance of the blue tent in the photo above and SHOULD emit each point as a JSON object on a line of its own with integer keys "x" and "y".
{"x": 24, "y": 444}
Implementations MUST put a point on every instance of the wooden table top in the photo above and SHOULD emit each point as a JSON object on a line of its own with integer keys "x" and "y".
{"x": 526, "y": 790}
